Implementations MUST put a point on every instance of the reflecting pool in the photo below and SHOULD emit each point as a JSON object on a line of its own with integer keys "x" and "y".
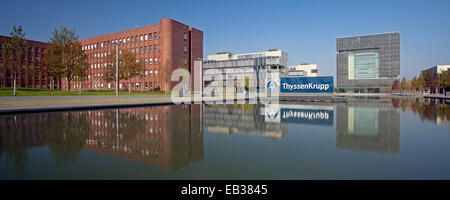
{"x": 377, "y": 138}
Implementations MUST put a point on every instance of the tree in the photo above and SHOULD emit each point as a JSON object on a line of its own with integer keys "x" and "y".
{"x": 14, "y": 50}
{"x": 395, "y": 85}
{"x": 62, "y": 53}
{"x": 444, "y": 80}
{"x": 404, "y": 84}
{"x": 166, "y": 74}
{"x": 128, "y": 67}
{"x": 429, "y": 80}
{"x": 182, "y": 65}
{"x": 80, "y": 64}
{"x": 418, "y": 83}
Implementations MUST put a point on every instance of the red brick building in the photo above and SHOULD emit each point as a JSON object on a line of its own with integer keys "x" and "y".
{"x": 32, "y": 74}
{"x": 168, "y": 41}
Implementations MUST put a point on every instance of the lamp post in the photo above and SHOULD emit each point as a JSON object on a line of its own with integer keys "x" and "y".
{"x": 117, "y": 43}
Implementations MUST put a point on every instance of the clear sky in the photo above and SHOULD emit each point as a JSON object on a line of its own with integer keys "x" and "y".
{"x": 306, "y": 30}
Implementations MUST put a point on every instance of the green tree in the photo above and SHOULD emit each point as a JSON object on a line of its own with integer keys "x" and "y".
{"x": 444, "y": 80}
{"x": 81, "y": 65}
{"x": 62, "y": 54}
{"x": 418, "y": 83}
{"x": 14, "y": 51}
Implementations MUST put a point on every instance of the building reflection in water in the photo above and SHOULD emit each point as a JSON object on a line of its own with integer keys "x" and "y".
{"x": 241, "y": 119}
{"x": 169, "y": 137}
{"x": 369, "y": 126}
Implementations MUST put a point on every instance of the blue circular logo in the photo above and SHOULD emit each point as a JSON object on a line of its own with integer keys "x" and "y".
{"x": 272, "y": 86}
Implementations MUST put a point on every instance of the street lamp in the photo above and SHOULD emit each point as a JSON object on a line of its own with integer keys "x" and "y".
{"x": 117, "y": 43}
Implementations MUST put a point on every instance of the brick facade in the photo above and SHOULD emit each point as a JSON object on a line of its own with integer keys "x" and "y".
{"x": 27, "y": 77}
{"x": 168, "y": 41}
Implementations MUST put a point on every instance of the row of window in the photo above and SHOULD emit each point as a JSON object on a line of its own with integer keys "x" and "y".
{"x": 140, "y": 50}
{"x": 146, "y": 73}
{"x": 127, "y": 40}
{"x": 150, "y": 85}
{"x": 147, "y": 61}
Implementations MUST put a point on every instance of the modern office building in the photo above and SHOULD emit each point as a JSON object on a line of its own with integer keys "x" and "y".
{"x": 167, "y": 42}
{"x": 32, "y": 73}
{"x": 305, "y": 69}
{"x": 225, "y": 65}
{"x": 369, "y": 63}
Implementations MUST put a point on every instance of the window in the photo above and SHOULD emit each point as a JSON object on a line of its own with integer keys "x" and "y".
{"x": 137, "y": 50}
{"x": 142, "y": 38}
{"x": 156, "y": 61}
{"x": 132, "y": 50}
{"x": 185, "y": 37}
{"x": 150, "y": 85}
{"x": 30, "y": 48}
{"x": 150, "y": 36}
{"x": 123, "y": 41}
{"x": 156, "y": 73}
{"x": 1, "y": 45}
{"x": 146, "y": 37}
{"x": 146, "y": 61}
{"x": 128, "y": 40}
{"x": 156, "y": 85}
{"x": 156, "y": 48}
{"x": 140, "y": 50}
{"x": 185, "y": 48}
{"x": 185, "y": 60}
{"x": 132, "y": 40}
{"x": 146, "y": 84}
{"x": 145, "y": 49}
{"x": 150, "y": 48}
{"x": 363, "y": 64}
{"x": 136, "y": 39}
{"x": 151, "y": 73}
{"x": 150, "y": 61}
{"x": 156, "y": 35}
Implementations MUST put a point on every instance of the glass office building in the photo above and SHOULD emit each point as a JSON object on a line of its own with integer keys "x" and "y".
{"x": 368, "y": 64}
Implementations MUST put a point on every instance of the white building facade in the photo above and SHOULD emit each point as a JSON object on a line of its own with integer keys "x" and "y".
{"x": 242, "y": 69}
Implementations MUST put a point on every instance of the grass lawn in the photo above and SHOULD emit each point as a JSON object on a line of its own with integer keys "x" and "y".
{"x": 44, "y": 92}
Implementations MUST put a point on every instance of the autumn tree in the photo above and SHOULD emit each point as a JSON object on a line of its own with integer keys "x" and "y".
{"x": 62, "y": 54}
{"x": 429, "y": 80}
{"x": 128, "y": 67}
{"x": 166, "y": 74}
{"x": 81, "y": 65}
{"x": 14, "y": 51}
{"x": 444, "y": 80}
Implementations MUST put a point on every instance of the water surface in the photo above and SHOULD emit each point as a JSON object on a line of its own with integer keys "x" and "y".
{"x": 361, "y": 139}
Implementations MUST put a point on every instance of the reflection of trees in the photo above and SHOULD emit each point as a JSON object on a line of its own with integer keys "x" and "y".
{"x": 66, "y": 136}
{"x": 17, "y": 134}
{"x": 16, "y": 152}
{"x": 429, "y": 111}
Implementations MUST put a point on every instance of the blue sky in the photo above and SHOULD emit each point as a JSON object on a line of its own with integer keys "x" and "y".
{"x": 306, "y": 30}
